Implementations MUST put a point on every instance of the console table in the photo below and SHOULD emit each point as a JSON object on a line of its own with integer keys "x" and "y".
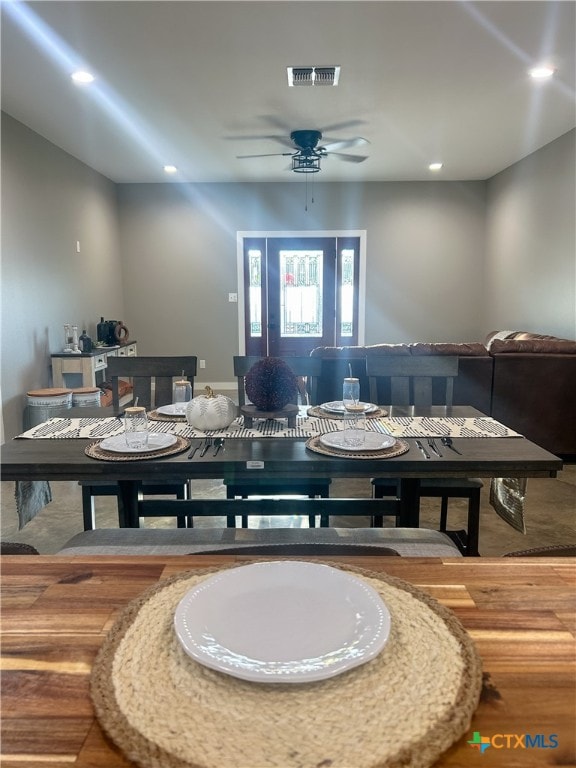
{"x": 87, "y": 365}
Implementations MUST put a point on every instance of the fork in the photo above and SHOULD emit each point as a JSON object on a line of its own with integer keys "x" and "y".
{"x": 207, "y": 445}
{"x": 432, "y": 445}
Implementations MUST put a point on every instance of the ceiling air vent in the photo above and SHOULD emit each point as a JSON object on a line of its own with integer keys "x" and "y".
{"x": 313, "y": 75}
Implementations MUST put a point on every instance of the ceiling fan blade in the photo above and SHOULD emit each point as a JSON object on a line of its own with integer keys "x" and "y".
{"x": 277, "y": 123}
{"x": 273, "y": 154}
{"x": 357, "y": 141}
{"x": 279, "y": 139}
{"x": 342, "y": 126}
{"x": 348, "y": 158}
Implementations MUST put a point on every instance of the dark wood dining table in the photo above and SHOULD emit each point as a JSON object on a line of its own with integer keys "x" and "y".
{"x": 520, "y": 613}
{"x": 278, "y": 458}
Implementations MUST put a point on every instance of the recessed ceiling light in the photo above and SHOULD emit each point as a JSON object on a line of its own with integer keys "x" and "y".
{"x": 82, "y": 77}
{"x": 170, "y": 169}
{"x": 435, "y": 166}
{"x": 541, "y": 72}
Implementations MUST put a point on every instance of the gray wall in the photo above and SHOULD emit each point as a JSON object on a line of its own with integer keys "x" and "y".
{"x": 531, "y": 246}
{"x": 49, "y": 201}
{"x": 424, "y": 242}
{"x": 445, "y": 261}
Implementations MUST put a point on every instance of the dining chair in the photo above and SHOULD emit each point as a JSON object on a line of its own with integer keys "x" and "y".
{"x": 422, "y": 381}
{"x": 552, "y": 550}
{"x": 152, "y": 379}
{"x": 307, "y": 370}
{"x": 17, "y": 548}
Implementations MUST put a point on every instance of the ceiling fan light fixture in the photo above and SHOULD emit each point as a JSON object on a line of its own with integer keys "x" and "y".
{"x": 308, "y": 76}
{"x": 305, "y": 163}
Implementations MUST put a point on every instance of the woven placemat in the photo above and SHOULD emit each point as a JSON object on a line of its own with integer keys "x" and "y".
{"x": 320, "y": 413}
{"x": 399, "y": 447}
{"x": 405, "y": 707}
{"x": 96, "y": 452}
{"x": 155, "y": 416}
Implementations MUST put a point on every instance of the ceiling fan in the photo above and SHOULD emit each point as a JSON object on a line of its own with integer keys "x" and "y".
{"x": 307, "y": 152}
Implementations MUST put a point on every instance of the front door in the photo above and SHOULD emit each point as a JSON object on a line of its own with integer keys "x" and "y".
{"x": 300, "y": 293}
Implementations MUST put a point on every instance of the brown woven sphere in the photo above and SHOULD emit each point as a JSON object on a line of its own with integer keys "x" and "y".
{"x": 271, "y": 384}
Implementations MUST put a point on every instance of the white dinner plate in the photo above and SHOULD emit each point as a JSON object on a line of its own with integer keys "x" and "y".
{"x": 282, "y": 622}
{"x": 373, "y": 441}
{"x": 156, "y": 441}
{"x": 172, "y": 410}
{"x": 337, "y": 406}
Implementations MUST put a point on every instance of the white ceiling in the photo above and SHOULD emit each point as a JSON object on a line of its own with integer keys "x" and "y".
{"x": 197, "y": 83}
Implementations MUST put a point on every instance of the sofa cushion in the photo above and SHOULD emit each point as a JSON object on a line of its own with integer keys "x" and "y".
{"x": 498, "y": 341}
{"x": 448, "y": 348}
{"x": 387, "y": 349}
{"x": 550, "y": 346}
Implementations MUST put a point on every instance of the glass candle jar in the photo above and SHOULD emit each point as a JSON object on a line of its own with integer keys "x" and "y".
{"x": 136, "y": 427}
{"x": 181, "y": 395}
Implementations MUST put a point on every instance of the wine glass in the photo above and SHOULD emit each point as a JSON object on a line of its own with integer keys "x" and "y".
{"x": 354, "y": 416}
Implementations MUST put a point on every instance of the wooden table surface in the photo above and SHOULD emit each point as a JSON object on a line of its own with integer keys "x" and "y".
{"x": 521, "y": 614}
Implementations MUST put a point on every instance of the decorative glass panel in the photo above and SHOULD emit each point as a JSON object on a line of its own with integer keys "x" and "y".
{"x": 347, "y": 292}
{"x": 301, "y": 294}
{"x": 255, "y": 297}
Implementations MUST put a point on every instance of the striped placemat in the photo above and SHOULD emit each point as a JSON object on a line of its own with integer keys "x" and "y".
{"x": 306, "y": 426}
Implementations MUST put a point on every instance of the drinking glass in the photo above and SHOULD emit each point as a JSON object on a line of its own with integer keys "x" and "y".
{"x": 354, "y": 415}
{"x": 181, "y": 395}
{"x": 136, "y": 427}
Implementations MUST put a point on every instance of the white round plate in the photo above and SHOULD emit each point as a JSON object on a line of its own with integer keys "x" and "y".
{"x": 337, "y": 406}
{"x": 373, "y": 442}
{"x": 156, "y": 441}
{"x": 172, "y": 410}
{"x": 282, "y": 622}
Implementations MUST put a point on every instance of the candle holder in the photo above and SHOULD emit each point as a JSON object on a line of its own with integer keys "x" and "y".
{"x": 68, "y": 339}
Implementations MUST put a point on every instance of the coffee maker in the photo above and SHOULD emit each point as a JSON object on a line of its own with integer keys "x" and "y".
{"x": 106, "y": 332}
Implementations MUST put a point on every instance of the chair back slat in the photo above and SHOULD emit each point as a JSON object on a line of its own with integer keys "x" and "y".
{"x": 307, "y": 368}
{"x": 411, "y": 378}
{"x": 152, "y": 377}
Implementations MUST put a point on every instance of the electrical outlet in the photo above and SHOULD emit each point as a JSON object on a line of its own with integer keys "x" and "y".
{"x": 233, "y": 298}
{"x": 202, "y": 363}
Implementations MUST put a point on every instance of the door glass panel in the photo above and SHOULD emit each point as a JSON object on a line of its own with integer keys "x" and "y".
{"x": 255, "y": 292}
{"x": 347, "y": 292}
{"x": 300, "y": 294}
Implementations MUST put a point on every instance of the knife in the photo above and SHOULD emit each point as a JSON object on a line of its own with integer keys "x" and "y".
{"x": 193, "y": 451}
{"x": 424, "y": 451}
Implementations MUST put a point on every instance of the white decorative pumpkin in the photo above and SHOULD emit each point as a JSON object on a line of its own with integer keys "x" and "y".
{"x": 210, "y": 411}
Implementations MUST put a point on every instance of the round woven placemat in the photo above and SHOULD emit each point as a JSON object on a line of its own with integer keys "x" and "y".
{"x": 155, "y": 416}
{"x": 399, "y": 447}
{"x": 96, "y": 452}
{"x": 405, "y": 707}
{"x": 320, "y": 413}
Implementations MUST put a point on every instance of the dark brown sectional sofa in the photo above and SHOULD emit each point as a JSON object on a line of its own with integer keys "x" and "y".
{"x": 525, "y": 380}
